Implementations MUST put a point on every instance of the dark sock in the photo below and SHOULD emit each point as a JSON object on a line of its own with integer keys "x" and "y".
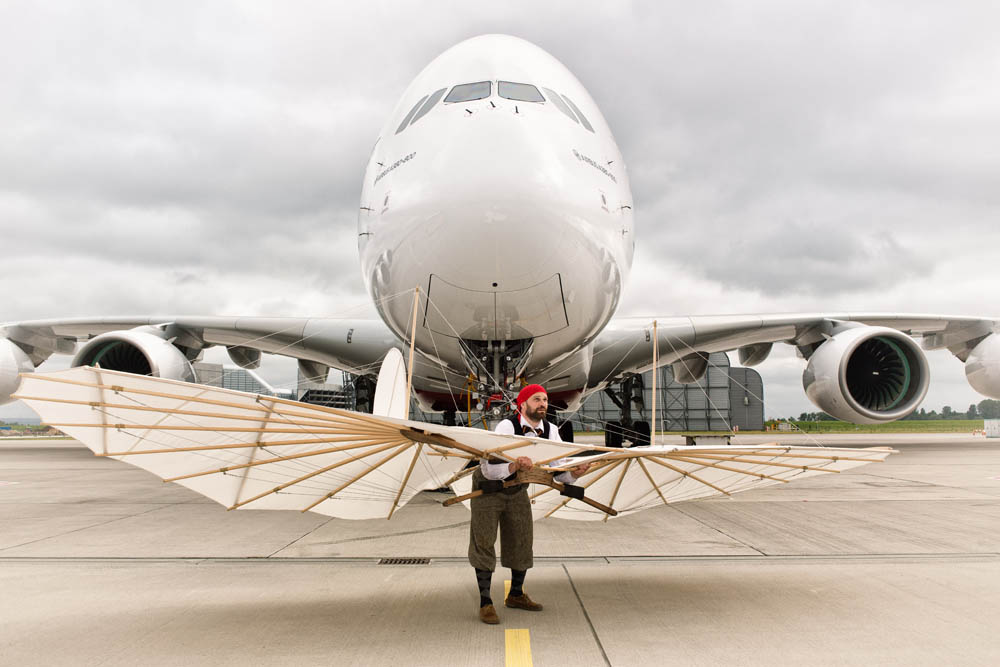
{"x": 517, "y": 582}
{"x": 483, "y": 578}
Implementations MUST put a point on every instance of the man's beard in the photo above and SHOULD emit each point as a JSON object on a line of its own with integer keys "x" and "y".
{"x": 535, "y": 415}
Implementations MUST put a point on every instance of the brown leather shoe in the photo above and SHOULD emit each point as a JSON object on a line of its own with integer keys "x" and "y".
{"x": 488, "y": 614}
{"x": 522, "y": 602}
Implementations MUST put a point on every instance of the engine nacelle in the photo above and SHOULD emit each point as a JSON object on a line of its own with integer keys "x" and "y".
{"x": 142, "y": 351}
{"x": 982, "y": 367}
{"x": 867, "y": 375}
{"x": 13, "y": 362}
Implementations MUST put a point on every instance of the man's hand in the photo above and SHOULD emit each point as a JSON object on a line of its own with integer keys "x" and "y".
{"x": 522, "y": 463}
{"x": 580, "y": 470}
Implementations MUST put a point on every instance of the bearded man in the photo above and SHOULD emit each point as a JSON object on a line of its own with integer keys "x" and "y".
{"x": 509, "y": 508}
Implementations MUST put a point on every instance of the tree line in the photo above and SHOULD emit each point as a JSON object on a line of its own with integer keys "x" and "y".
{"x": 985, "y": 409}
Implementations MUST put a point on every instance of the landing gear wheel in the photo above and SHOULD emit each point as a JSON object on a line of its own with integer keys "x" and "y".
{"x": 613, "y": 434}
{"x": 640, "y": 432}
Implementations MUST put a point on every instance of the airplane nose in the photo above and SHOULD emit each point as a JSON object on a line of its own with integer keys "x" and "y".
{"x": 496, "y": 200}
{"x": 491, "y": 217}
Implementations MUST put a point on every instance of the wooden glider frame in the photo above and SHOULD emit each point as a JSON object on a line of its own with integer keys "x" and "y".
{"x": 542, "y": 477}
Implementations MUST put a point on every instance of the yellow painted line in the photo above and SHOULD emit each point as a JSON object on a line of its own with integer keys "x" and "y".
{"x": 506, "y": 589}
{"x": 518, "y": 645}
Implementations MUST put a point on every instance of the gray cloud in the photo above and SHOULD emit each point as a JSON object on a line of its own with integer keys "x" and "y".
{"x": 206, "y": 158}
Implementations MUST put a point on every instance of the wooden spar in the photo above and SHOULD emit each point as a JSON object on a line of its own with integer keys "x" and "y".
{"x": 375, "y": 421}
{"x": 210, "y": 415}
{"x": 459, "y": 475}
{"x": 253, "y": 457}
{"x": 656, "y": 349}
{"x": 589, "y": 482}
{"x": 535, "y": 495}
{"x": 814, "y": 456}
{"x": 722, "y": 467}
{"x": 409, "y": 366}
{"x": 367, "y": 470}
{"x": 560, "y": 456}
{"x": 688, "y": 474}
{"x": 535, "y": 476}
{"x": 594, "y": 467}
{"x": 278, "y": 459}
{"x": 514, "y": 445}
{"x": 448, "y": 455}
{"x": 345, "y": 415}
{"x": 241, "y": 445}
{"x": 633, "y": 455}
{"x": 736, "y": 459}
{"x": 764, "y": 450}
{"x": 317, "y": 472}
{"x": 416, "y": 435}
{"x": 653, "y": 483}
{"x": 618, "y": 485}
{"x": 409, "y": 471}
{"x": 104, "y": 415}
{"x": 213, "y": 429}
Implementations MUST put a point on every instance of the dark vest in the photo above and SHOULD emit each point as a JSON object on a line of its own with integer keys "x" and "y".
{"x": 478, "y": 480}
{"x": 519, "y": 429}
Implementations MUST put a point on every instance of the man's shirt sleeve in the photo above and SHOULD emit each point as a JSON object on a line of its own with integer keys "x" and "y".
{"x": 505, "y": 427}
{"x": 495, "y": 471}
{"x": 565, "y": 478}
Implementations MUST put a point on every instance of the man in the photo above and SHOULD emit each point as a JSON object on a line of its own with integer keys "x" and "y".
{"x": 509, "y": 508}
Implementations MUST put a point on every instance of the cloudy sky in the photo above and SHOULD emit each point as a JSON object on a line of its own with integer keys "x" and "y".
{"x": 206, "y": 158}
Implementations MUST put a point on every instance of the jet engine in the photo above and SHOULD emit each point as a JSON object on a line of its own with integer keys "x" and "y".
{"x": 982, "y": 367}
{"x": 13, "y": 362}
{"x": 867, "y": 375}
{"x": 142, "y": 351}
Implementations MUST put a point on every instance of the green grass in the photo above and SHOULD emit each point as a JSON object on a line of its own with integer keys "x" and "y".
{"x": 926, "y": 426}
{"x": 923, "y": 426}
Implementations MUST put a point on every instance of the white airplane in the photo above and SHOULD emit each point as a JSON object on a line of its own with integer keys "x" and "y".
{"x": 497, "y": 188}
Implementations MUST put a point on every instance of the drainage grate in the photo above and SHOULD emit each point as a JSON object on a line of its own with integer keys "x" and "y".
{"x": 404, "y": 561}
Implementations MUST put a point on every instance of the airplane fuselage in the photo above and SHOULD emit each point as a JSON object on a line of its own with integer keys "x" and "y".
{"x": 508, "y": 205}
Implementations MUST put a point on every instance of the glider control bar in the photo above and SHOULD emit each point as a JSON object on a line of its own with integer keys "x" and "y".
{"x": 536, "y": 476}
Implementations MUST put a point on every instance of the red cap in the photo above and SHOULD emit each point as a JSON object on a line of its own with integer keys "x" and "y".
{"x": 528, "y": 392}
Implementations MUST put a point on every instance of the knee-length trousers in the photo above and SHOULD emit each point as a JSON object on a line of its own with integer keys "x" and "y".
{"x": 511, "y": 512}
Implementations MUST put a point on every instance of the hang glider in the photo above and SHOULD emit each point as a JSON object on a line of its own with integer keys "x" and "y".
{"x": 247, "y": 451}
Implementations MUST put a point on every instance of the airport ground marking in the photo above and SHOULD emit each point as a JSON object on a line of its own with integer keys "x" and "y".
{"x": 517, "y": 645}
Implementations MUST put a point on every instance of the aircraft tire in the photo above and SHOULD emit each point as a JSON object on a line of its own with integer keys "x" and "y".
{"x": 613, "y": 434}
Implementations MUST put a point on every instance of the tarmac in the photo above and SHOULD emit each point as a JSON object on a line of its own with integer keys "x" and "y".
{"x": 894, "y": 563}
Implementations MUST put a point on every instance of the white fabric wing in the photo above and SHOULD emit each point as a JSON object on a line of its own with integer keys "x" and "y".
{"x": 261, "y": 452}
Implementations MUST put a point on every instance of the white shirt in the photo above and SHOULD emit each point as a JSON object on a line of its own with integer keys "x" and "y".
{"x": 496, "y": 471}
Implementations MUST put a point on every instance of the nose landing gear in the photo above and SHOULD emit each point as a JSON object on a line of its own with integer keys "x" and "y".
{"x": 616, "y": 433}
{"x": 494, "y": 367}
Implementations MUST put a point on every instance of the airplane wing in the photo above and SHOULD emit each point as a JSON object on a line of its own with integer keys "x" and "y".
{"x": 260, "y": 452}
{"x": 864, "y": 367}
{"x": 162, "y": 345}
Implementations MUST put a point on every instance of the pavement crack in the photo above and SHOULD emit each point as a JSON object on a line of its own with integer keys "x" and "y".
{"x": 366, "y": 538}
{"x": 308, "y": 532}
{"x": 719, "y": 530}
{"x": 77, "y": 530}
{"x": 593, "y": 630}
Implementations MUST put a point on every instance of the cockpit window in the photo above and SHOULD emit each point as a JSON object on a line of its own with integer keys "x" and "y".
{"x": 428, "y": 105}
{"x": 470, "y": 91}
{"x": 521, "y": 92}
{"x": 410, "y": 115}
{"x": 557, "y": 100}
{"x": 583, "y": 119}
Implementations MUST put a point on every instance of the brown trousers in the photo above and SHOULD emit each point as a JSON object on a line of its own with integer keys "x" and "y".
{"x": 510, "y": 510}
